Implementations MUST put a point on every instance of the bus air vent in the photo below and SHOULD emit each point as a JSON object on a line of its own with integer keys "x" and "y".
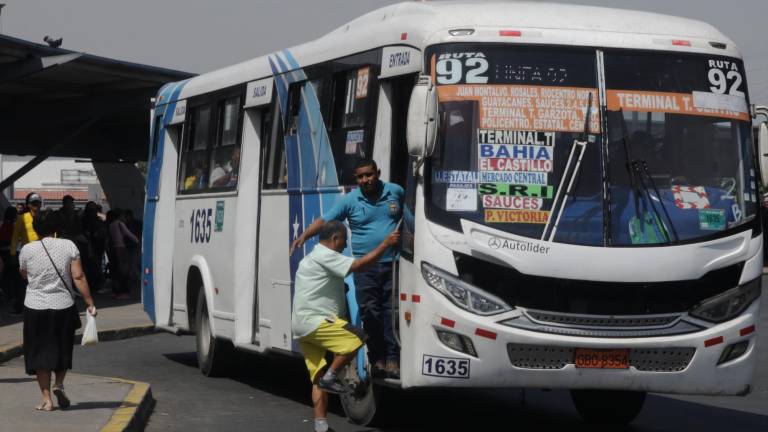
{"x": 526, "y": 356}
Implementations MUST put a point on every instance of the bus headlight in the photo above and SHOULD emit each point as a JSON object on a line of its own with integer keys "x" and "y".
{"x": 729, "y": 304}
{"x": 461, "y": 293}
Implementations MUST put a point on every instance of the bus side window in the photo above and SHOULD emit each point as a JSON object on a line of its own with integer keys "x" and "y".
{"x": 294, "y": 106}
{"x": 194, "y": 169}
{"x": 274, "y": 165}
{"x": 156, "y": 138}
{"x": 351, "y": 129}
{"x": 225, "y": 157}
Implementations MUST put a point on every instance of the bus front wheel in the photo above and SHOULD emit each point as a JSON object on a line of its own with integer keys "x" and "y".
{"x": 360, "y": 405}
{"x": 213, "y": 355}
{"x": 608, "y": 406}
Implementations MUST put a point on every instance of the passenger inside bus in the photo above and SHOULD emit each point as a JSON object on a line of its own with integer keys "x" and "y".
{"x": 195, "y": 178}
{"x": 225, "y": 172}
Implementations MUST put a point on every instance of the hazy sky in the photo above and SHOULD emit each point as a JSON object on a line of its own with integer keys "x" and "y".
{"x": 202, "y": 35}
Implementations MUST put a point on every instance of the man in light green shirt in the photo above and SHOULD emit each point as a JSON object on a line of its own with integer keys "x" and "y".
{"x": 318, "y": 304}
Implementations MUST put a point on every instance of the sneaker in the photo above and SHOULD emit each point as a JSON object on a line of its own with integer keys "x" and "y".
{"x": 331, "y": 386}
{"x": 392, "y": 369}
{"x": 378, "y": 369}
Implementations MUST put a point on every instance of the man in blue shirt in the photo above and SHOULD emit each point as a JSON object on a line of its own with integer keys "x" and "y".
{"x": 373, "y": 210}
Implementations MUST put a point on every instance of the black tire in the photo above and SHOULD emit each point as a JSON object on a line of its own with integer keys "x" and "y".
{"x": 610, "y": 407}
{"x": 213, "y": 355}
{"x": 362, "y": 405}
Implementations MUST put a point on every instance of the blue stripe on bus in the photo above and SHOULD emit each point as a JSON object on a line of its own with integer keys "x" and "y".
{"x": 313, "y": 184}
{"x": 168, "y": 93}
{"x": 282, "y": 89}
{"x": 291, "y": 59}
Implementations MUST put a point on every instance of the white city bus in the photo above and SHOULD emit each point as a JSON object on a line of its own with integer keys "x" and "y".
{"x": 582, "y": 181}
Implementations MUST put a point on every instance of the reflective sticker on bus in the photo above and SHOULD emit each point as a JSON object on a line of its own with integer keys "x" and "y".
{"x": 461, "y": 199}
{"x": 512, "y": 202}
{"x": 516, "y": 216}
{"x": 690, "y": 197}
{"x": 674, "y": 103}
{"x": 219, "y": 220}
{"x": 511, "y": 164}
{"x": 506, "y": 189}
{"x": 361, "y": 87}
{"x": 528, "y": 108}
{"x": 473, "y": 177}
{"x": 712, "y": 219}
{"x": 531, "y": 152}
{"x": 514, "y": 137}
{"x": 354, "y": 142}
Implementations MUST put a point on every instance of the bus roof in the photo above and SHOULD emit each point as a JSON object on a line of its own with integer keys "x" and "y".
{"x": 420, "y": 24}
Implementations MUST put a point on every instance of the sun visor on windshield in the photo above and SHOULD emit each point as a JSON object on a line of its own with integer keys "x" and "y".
{"x": 695, "y": 103}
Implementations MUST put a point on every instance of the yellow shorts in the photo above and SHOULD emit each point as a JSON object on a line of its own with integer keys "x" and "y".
{"x": 338, "y": 337}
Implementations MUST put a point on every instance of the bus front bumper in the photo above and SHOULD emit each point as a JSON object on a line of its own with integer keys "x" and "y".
{"x": 511, "y": 357}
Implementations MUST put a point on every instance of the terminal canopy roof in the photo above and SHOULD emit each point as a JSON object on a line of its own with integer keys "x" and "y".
{"x": 56, "y": 102}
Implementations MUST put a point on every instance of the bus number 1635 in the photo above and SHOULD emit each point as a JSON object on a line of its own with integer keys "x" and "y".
{"x": 200, "y": 225}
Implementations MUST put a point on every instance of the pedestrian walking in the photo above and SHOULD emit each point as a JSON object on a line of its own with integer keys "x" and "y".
{"x": 119, "y": 235}
{"x": 51, "y": 265}
{"x": 24, "y": 230}
{"x": 23, "y": 233}
{"x": 319, "y": 308}
{"x": 372, "y": 210}
{"x": 10, "y": 282}
{"x": 70, "y": 222}
{"x": 95, "y": 232}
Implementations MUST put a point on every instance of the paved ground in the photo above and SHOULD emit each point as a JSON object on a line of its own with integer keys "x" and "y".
{"x": 97, "y": 401}
{"x": 270, "y": 394}
{"x": 94, "y": 399}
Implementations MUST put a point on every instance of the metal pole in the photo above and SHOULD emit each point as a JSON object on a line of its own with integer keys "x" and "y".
{"x": 2, "y": 5}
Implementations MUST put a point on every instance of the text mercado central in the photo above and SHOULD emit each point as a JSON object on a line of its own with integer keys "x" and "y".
{"x": 664, "y": 156}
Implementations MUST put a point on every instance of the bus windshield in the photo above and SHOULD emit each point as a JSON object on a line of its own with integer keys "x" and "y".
{"x": 682, "y": 124}
{"x": 527, "y": 146}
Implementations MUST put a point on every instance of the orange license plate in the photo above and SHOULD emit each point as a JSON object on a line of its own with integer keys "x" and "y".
{"x": 602, "y": 358}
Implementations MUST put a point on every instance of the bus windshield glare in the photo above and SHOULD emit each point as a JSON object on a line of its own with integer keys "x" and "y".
{"x": 527, "y": 145}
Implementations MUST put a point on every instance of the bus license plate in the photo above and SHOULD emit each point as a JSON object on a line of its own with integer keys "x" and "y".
{"x": 602, "y": 358}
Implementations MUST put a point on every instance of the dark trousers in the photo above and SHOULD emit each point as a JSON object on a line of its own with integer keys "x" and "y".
{"x": 120, "y": 268}
{"x": 12, "y": 284}
{"x": 373, "y": 289}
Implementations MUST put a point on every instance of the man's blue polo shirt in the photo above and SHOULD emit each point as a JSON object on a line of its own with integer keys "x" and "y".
{"x": 370, "y": 222}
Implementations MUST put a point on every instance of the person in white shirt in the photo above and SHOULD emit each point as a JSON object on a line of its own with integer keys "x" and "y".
{"x": 51, "y": 265}
{"x": 319, "y": 306}
{"x": 225, "y": 174}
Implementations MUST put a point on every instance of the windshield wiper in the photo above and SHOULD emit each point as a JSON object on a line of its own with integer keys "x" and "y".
{"x": 636, "y": 169}
{"x": 582, "y": 144}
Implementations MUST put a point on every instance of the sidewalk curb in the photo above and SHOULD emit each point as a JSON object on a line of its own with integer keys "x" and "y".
{"x": 135, "y": 410}
{"x": 121, "y": 333}
{"x": 12, "y": 350}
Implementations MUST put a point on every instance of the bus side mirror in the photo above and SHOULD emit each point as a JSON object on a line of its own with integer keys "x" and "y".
{"x": 762, "y": 148}
{"x": 421, "y": 131}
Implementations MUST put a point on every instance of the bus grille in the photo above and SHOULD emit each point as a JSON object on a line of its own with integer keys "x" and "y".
{"x": 553, "y": 357}
{"x": 602, "y": 321}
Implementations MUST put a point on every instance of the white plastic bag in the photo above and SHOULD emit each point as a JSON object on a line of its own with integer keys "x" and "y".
{"x": 90, "y": 334}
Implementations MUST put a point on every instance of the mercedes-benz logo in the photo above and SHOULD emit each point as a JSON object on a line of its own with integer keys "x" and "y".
{"x": 494, "y": 243}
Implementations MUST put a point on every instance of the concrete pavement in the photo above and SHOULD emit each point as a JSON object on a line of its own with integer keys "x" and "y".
{"x": 98, "y": 403}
